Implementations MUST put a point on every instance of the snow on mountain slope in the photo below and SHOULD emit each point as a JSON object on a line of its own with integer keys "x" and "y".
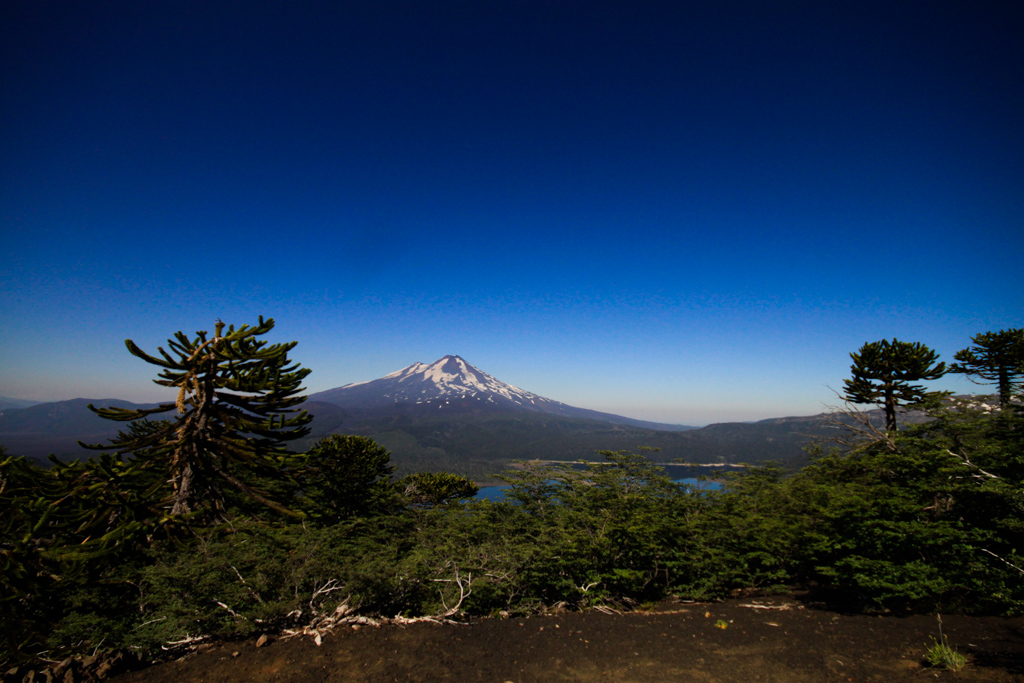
{"x": 452, "y": 385}
{"x": 443, "y": 380}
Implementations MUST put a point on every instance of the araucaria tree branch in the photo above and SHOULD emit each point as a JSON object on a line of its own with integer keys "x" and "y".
{"x": 235, "y": 409}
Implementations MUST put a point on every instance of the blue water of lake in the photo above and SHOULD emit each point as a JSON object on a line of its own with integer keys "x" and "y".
{"x": 497, "y": 493}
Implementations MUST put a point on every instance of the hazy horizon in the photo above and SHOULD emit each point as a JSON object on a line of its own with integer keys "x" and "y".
{"x": 655, "y": 413}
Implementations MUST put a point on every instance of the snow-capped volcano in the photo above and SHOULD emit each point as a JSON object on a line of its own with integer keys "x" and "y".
{"x": 451, "y": 386}
{"x": 447, "y": 380}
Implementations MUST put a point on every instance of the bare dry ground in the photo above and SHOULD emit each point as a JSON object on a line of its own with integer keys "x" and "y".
{"x": 778, "y": 640}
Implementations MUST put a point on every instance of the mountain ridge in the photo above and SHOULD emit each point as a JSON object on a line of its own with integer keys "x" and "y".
{"x": 477, "y": 445}
{"x": 449, "y": 415}
{"x": 8, "y": 402}
{"x": 451, "y": 378}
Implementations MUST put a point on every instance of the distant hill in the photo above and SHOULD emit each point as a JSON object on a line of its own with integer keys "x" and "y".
{"x": 7, "y": 402}
{"x": 45, "y": 428}
{"x": 481, "y": 445}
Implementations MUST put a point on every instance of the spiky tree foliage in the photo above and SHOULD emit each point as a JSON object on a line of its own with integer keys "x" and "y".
{"x": 883, "y": 372}
{"x": 995, "y": 357}
{"x": 235, "y": 409}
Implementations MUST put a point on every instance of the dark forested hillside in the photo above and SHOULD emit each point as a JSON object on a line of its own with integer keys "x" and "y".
{"x": 476, "y": 444}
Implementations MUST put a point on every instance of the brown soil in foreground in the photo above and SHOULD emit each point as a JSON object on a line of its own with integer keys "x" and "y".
{"x": 675, "y": 642}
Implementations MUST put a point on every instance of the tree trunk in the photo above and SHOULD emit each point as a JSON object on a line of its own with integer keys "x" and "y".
{"x": 890, "y": 410}
{"x": 1004, "y": 387}
{"x": 183, "y": 493}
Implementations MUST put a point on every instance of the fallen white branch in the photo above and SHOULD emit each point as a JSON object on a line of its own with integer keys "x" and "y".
{"x": 151, "y": 621}
{"x": 328, "y": 587}
{"x": 1002, "y": 559}
{"x": 465, "y": 585}
{"x": 399, "y": 619}
{"x": 606, "y": 610}
{"x": 967, "y": 462}
{"x": 321, "y": 624}
{"x": 245, "y": 583}
{"x": 187, "y": 640}
{"x": 233, "y": 612}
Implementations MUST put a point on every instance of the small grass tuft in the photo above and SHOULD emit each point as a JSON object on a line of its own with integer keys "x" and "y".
{"x": 942, "y": 656}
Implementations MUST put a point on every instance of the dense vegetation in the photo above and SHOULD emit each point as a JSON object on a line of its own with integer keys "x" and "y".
{"x": 110, "y": 553}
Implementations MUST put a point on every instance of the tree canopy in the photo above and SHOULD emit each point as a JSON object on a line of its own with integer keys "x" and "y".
{"x": 235, "y": 409}
{"x": 994, "y": 357}
{"x": 341, "y": 476}
{"x": 883, "y": 373}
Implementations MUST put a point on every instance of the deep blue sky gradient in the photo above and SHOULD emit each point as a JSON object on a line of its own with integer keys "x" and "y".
{"x": 687, "y": 212}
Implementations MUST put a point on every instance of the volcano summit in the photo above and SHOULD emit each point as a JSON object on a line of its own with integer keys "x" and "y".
{"x": 453, "y": 386}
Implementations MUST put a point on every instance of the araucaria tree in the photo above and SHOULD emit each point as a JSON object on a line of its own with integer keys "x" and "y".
{"x": 235, "y": 409}
{"x": 995, "y": 357}
{"x": 883, "y": 372}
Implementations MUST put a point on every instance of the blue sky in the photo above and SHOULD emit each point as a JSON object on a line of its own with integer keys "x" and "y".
{"x": 687, "y": 212}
